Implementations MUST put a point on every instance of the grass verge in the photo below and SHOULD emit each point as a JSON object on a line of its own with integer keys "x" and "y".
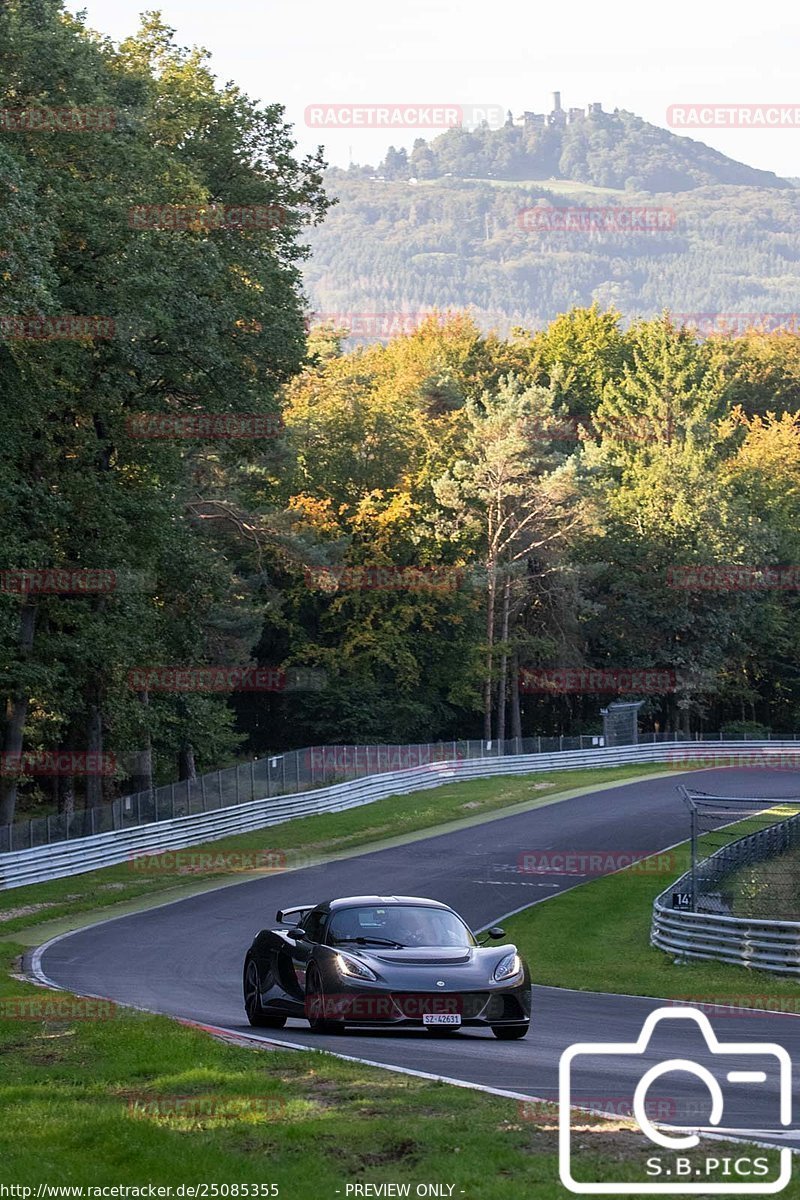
{"x": 596, "y": 938}
{"x": 98, "y": 1096}
{"x": 295, "y": 843}
{"x": 769, "y": 889}
{"x": 128, "y": 1098}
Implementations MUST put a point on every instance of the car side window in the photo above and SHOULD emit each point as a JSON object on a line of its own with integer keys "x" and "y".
{"x": 314, "y": 925}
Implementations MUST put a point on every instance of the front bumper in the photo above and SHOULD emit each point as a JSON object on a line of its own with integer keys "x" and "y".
{"x": 499, "y": 1005}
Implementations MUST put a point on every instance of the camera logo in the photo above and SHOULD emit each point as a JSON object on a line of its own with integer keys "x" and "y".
{"x": 745, "y": 1065}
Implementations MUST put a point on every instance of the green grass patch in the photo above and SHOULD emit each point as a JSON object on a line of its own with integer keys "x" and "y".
{"x": 563, "y": 187}
{"x": 769, "y": 889}
{"x": 129, "y": 1098}
{"x": 596, "y": 937}
{"x": 566, "y": 187}
{"x": 293, "y": 843}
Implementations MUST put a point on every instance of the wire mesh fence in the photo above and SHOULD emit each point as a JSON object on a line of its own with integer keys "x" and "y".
{"x": 745, "y": 855}
{"x": 281, "y": 774}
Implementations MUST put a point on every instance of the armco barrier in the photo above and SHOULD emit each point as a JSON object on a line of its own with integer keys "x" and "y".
{"x": 282, "y": 774}
{"x": 770, "y": 945}
{"x": 107, "y": 849}
{"x": 760, "y": 846}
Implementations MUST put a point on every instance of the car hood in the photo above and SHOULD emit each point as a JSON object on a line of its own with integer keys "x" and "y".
{"x": 422, "y": 956}
{"x": 418, "y": 968}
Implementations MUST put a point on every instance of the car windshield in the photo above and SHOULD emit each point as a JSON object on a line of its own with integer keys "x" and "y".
{"x": 398, "y": 925}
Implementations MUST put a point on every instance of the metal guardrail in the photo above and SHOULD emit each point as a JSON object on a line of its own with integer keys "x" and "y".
{"x": 284, "y": 774}
{"x": 76, "y": 856}
{"x": 767, "y": 944}
{"x": 290, "y": 773}
{"x": 760, "y": 846}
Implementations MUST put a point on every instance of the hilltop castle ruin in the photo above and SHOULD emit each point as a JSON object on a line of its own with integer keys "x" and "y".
{"x": 556, "y": 116}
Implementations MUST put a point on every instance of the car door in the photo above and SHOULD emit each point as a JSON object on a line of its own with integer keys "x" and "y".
{"x": 314, "y": 926}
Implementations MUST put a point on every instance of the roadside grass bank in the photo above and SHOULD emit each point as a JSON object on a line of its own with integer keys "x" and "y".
{"x": 295, "y": 843}
{"x": 93, "y": 1094}
{"x": 104, "y": 1096}
{"x": 596, "y": 938}
{"x": 768, "y": 889}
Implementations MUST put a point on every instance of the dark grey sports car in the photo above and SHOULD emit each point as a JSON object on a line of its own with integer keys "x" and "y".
{"x": 384, "y": 961}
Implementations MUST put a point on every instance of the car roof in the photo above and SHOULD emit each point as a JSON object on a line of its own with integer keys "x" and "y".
{"x": 383, "y": 901}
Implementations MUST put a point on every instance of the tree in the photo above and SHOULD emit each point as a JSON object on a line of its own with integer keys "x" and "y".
{"x": 656, "y": 491}
{"x": 207, "y": 318}
{"x": 669, "y": 390}
{"x": 578, "y": 356}
{"x": 510, "y": 490}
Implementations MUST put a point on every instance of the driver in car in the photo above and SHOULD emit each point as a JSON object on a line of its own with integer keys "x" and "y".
{"x": 414, "y": 929}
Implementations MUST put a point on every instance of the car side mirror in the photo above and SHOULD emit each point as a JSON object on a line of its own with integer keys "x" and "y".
{"x": 494, "y": 933}
{"x": 297, "y": 934}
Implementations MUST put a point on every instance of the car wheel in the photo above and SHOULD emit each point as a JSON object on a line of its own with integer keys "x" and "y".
{"x": 256, "y": 1013}
{"x": 509, "y": 1033}
{"x": 315, "y": 1005}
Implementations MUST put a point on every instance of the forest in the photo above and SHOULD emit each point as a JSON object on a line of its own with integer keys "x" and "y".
{"x": 610, "y": 150}
{"x": 222, "y": 534}
{"x": 727, "y": 256}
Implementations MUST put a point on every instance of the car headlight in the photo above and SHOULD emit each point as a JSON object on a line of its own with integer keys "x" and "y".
{"x": 508, "y": 967}
{"x": 354, "y": 968}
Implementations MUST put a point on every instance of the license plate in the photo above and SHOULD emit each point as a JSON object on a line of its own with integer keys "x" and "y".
{"x": 441, "y": 1018}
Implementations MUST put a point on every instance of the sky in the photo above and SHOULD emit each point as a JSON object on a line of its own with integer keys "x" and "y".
{"x": 629, "y": 54}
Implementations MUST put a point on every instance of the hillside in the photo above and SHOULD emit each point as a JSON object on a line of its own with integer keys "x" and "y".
{"x": 442, "y": 227}
{"x": 394, "y": 247}
{"x": 616, "y": 150}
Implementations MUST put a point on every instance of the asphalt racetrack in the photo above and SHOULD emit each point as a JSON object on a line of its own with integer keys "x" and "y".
{"x": 185, "y": 959}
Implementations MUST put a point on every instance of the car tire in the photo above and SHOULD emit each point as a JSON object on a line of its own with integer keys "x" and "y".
{"x": 509, "y": 1033}
{"x": 315, "y": 1005}
{"x": 256, "y": 1014}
